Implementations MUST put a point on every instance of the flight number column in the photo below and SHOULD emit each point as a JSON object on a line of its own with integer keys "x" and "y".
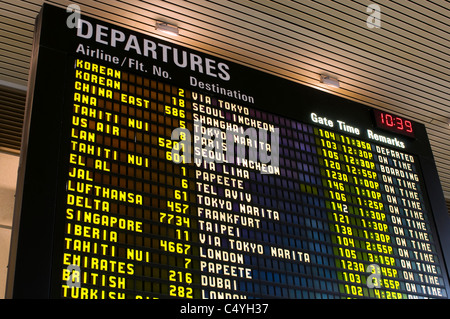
{"x": 178, "y": 207}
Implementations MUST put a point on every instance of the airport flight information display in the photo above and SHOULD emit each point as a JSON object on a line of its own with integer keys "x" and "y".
{"x": 172, "y": 178}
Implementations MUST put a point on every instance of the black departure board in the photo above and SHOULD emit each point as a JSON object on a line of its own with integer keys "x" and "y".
{"x": 151, "y": 170}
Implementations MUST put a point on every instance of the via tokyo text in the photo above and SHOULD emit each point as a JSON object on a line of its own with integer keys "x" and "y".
{"x": 211, "y": 143}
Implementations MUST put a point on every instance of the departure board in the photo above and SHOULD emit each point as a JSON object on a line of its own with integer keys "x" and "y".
{"x": 155, "y": 171}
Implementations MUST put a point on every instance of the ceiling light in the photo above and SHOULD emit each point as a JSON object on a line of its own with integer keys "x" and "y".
{"x": 325, "y": 79}
{"x": 167, "y": 28}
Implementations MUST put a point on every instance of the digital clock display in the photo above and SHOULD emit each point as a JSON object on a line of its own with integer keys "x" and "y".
{"x": 393, "y": 123}
{"x": 112, "y": 205}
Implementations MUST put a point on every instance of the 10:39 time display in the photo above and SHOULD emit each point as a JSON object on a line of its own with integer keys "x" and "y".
{"x": 393, "y": 123}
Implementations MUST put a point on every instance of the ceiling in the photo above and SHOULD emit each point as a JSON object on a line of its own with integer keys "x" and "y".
{"x": 402, "y": 67}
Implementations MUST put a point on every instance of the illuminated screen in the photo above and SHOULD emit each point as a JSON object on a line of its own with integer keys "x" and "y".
{"x": 172, "y": 187}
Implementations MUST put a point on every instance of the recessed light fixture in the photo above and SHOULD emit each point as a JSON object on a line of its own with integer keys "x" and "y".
{"x": 325, "y": 79}
{"x": 167, "y": 28}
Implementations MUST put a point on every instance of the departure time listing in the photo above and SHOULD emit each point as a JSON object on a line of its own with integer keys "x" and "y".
{"x": 174, "y": 193}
